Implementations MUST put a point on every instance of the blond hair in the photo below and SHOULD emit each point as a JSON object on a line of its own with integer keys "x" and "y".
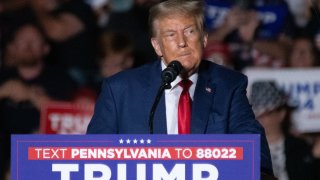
{"x": 193, "y": 8}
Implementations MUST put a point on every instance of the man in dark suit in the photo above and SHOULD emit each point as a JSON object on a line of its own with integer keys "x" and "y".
{"x": 218, "y": 95}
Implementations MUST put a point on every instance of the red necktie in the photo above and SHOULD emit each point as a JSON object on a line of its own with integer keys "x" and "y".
{"x": 184, "y": 108}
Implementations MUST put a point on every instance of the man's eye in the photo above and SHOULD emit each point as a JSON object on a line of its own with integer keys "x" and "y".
{"x": 169, "y": 34}
{"x": 190, "y": 31}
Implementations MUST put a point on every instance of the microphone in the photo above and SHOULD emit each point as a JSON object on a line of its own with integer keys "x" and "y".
{"x": 170, "y": 73}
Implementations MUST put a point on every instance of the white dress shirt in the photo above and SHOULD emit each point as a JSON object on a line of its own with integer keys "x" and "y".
{"x": 172, "y": 100}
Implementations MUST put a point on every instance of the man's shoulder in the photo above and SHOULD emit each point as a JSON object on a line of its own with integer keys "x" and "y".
{"x": 135, "y": 74}
{"x": 219, "y": 72}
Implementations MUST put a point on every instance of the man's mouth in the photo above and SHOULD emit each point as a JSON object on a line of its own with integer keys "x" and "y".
{"x": 185, "y": 54}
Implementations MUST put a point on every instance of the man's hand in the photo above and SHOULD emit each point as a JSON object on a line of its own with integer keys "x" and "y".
{"x": 15, "y": 90}
{"x": 18, "y": 91}
{"x": 247, "y": 29}
{"x": 38, "y": 97}
{"x": 235, "y": 18}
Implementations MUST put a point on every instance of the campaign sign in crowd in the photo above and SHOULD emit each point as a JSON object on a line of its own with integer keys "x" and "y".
{"x": 302, "y": 87}
{"x": 65, "y": 118}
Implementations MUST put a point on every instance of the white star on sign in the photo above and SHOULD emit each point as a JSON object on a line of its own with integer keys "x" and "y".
{"x": 148, "y": 141}
{"x": 121, "y": 141}
{"x": 135, "y": 141}
{"x": 141, "y": 141}
{"x": 128, "y": 141}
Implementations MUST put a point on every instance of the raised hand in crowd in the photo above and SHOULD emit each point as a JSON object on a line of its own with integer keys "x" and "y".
{"x": 247, "y": 29}
{"x": 14, "y": 90}
{"x": 38, "y": 96}
{"x": 57, "y": 27}
{"x": 234, "y": 19}
{"x": 18, "y": 91}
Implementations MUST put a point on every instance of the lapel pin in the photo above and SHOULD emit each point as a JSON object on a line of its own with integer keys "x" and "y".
{"x": 209, "y": 90}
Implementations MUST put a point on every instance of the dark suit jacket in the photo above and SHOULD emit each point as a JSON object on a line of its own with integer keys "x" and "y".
{"x": 220, "y": 105}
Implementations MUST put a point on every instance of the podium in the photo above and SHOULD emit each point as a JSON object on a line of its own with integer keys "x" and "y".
{"x": 135, "y": 157}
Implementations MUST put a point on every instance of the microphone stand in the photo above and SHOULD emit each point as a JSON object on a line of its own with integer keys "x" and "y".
{"x": 165, "y": 85}
{"x": 168, "y": 75}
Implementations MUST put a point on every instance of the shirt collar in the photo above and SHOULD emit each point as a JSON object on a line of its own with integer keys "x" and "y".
{"x": 193, "y": 77}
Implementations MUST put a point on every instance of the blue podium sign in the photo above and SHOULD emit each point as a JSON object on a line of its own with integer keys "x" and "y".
{"x": 135, "y": 157}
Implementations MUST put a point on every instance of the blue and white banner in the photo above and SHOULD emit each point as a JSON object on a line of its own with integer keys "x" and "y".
{"x": 135, "y": 157}
{"x": 303, "y": 88}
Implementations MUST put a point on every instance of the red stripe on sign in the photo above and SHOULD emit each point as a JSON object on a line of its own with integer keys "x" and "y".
{"x": 135, "y": 153}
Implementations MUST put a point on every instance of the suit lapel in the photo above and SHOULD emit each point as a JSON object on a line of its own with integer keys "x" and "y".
{"x": 203, "y": 98}
{"x": 153, "y": 82}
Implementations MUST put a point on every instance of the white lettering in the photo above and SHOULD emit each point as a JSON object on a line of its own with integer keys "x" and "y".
{"x": 141, "y": 171}
{"x": 89, "y": 170}
{"x": 198, "y": 170}
{"x": 177, "y": 172}
{"x": 122, "y": 172}
{"x": 65, "y": 170}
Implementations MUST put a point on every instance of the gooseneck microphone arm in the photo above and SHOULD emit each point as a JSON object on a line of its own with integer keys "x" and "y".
{"x": 154, "y": 106}
{"x": 168, "y": 75}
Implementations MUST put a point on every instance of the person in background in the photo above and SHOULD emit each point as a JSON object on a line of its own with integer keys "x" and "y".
{"x": 116, "y": 53}
{"x": 27, "y": 84}
{"x": 71, "y": 27}
{"x": 253, "y": 40}
{"x": 219, "y": 53}
{"x": 291, "y": 157}
{"x": 102, "y": 10}
{"x": 315, "y": 138}
{"x": 217, "y": 94}
{"x": 269, "y": 54}
{"x": 6, "y": 5}
{"x": 303, "y": 54}
{"x": 131, "y": 18}
{"x": 238, "y": 30}
{"x": 303, "y": 19}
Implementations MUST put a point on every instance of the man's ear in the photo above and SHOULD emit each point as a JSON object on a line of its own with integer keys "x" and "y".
{"x": 156, "y": 46}
{"x": 205, "y": 39}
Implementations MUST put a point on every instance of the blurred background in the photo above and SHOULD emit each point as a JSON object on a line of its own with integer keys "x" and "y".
{"x": 54, "y": 55}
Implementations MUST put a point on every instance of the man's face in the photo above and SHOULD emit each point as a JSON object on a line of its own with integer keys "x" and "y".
{"x": 301, "y": 55}
{"x": 28, "y": 46}
{"x": 179, "y": 38}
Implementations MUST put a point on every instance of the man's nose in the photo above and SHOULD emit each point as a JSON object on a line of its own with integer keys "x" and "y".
{"x": 182, "y": 42}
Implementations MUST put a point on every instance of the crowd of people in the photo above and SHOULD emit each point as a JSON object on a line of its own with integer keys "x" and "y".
{"x": 53, "y": 49}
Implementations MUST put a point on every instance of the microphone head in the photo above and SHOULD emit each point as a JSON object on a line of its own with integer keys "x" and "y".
{"x": 176, "y": 65}
{"x": 171, "y": 72}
